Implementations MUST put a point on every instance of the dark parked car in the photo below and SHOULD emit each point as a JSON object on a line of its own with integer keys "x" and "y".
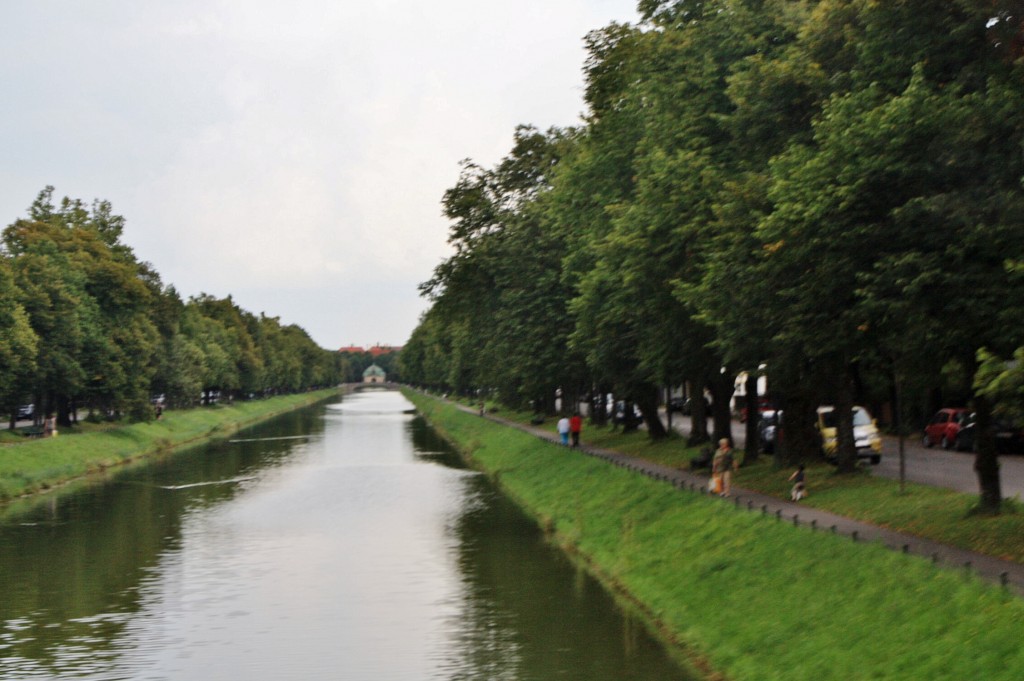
{"x": 684, "y": 405}
{"x": 620, "y": 414}
{"x": 768, "y": 429}
{"x": 1009, "y": 437}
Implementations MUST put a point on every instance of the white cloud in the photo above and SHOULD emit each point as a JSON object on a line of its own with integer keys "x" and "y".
{"x": 291, "y": 154}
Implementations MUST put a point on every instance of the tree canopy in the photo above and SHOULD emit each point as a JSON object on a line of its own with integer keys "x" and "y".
{"x": 825, "y": 191}
{"x": 85, "y": 324}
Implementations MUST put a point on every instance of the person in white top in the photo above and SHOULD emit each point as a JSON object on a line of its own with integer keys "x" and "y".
{"x": 563, "y": 430}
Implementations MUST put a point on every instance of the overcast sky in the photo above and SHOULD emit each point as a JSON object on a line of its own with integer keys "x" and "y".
{"x": 292, "y": 154}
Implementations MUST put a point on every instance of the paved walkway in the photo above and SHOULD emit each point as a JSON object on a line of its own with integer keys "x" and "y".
{"x": 1009, "y": 574}
{"x": 935, "y": 467}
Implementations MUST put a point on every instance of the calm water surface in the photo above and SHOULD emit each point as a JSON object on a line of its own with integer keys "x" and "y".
{"x": 344, "y": 541}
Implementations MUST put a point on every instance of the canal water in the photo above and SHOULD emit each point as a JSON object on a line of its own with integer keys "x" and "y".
{"x": 344, "y": 541}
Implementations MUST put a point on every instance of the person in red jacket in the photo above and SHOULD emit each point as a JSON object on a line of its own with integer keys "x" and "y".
{"x": 575, "y": 426}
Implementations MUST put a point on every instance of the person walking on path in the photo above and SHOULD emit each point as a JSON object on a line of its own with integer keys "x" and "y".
{"x": 722, "y": 465}
{"x": 575, "y": 426}
{"x": 799, "y": 491}
{"x": 49, "y": 426}
{"x": 563, "y": 430}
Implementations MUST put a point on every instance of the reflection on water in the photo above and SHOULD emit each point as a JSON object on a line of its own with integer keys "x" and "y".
{"x": 342, "y": 541}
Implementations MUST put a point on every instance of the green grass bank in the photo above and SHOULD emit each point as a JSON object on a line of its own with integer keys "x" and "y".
{"x": 746, "y": 597}
{"x": 30, "y": 466}
{"x": 934, "y": 513}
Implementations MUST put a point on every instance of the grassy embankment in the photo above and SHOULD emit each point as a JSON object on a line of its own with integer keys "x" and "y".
{"x": 938, "y": 514}
{"x": 747, "y": 596}
{"x": 28, "y": 466}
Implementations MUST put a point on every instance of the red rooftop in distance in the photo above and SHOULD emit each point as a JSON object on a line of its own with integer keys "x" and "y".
{"x": 376, "y": 350}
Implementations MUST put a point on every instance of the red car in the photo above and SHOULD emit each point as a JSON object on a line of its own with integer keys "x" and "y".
{"x": 943, "y": 427}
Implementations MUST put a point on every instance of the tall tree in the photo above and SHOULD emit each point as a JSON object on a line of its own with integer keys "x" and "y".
{"x": 18, "y": 344}
{"x": 908, "y": 177}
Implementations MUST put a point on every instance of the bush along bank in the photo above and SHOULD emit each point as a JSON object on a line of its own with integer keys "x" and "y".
{"x": 36, "y": 465}
{"x": 746, "y": 596}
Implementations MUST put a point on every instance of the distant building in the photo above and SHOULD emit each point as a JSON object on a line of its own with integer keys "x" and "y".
{"x": 376, "y": 350}
{"x": 374, "y": 374}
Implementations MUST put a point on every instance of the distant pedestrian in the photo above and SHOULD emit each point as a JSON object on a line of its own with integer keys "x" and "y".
{"x": 563, "y": 430}
{"x": 159, "y": 411}
{"x": 799, "y": 490}
{"x": 49, "y": 426}
{"x": 575, "y": 426}
{"x": 722, "y": 466}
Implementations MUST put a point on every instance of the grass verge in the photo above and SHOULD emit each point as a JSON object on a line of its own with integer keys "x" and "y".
{"x": 941, "y": 515}
{"x": 30, "y": 466}
{"x": 753, "y": 598}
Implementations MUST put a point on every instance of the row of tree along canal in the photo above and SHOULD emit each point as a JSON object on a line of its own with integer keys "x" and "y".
{"x": 828, "y": 192}
{"x": 86, "y": 326}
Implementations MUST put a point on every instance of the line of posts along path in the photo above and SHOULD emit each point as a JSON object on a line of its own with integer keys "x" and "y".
{"x": 1008, "y": 574}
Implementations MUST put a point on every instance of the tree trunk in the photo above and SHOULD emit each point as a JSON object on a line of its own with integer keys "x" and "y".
{"x": 630, "y": 424}
{"x": 797, "y": 439}
{"x": 668, "y": 409}
{"x": 721, "y": 387}
{"x": 846, "y": 446}
{"x": 753, "y": 418}
{"x": 647, "y": 400}
{"x": 63, "y": 414}
{"x": 986, "y": 460}
{"x": 542, "y": 404}
{"x": 698, "y": 418}
{"x": 599, "y": 406}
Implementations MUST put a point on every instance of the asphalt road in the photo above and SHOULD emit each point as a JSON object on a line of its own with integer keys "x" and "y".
{"x": 935, "y": 466}
{"x": 942, "y": 468}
